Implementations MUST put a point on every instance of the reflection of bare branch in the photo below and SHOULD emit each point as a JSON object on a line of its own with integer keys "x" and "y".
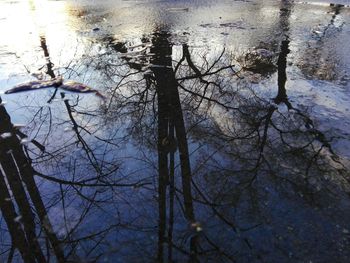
{"x": 89, "y": 153}
{"x": 226, "y": 119}
{"x": 85, "y": 183}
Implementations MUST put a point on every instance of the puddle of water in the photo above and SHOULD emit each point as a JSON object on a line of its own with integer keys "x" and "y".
{"x": 221, "y": 132}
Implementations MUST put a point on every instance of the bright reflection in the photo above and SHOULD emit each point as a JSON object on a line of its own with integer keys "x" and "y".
{"x": 24, "y": 21}
{"x": 22, "y": 24}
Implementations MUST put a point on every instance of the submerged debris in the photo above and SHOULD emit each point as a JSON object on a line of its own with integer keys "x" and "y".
{"x": 259, "y": 59}
{"x": 74, "y": 86}
{"x": 178, "y": 9}
{"x": 36, "y": 84}
{"x": 69, "y": 85}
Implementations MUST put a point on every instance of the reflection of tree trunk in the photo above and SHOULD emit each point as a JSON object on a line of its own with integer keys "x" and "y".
{"x": 171, "y": 195}
{"x": 285, "y": 12}
{"x": 163, "y": 168}
{"x": 11, "y": 218}
{"x": 335, "y": 8}
{"x": 170, "y": 111}
{"x": 282, "y": 74}
{"x": 18, "y": 170}
{"x": 10, "y": 167}
{"x": 27, "y": 175}
{"x": 162, "y": 76}
{"x": 49, "y": 64}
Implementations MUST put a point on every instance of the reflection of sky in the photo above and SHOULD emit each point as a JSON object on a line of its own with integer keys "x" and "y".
{"x": 66, "y": 25}
{"x": 205, "y": 22}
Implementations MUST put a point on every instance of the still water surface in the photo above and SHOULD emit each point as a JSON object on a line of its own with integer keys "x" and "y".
{"x": 221, "y": 133}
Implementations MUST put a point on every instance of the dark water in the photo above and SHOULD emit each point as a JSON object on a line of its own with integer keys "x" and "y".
{"x": 221, "y": 133}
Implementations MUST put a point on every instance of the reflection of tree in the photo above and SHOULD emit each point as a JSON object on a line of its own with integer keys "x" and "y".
{"x": 17, "y": 178}
{"x": 244, "y": 140}
{"x": 319, "y": 59}
{"x": 49, "y": 64}
{"x": 170, "y": 117}
{"x": 88, "y": 179}
{"x": 236, "y": 148}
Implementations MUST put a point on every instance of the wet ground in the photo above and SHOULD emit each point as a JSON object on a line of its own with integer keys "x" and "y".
{"x": 220, "y": 133}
